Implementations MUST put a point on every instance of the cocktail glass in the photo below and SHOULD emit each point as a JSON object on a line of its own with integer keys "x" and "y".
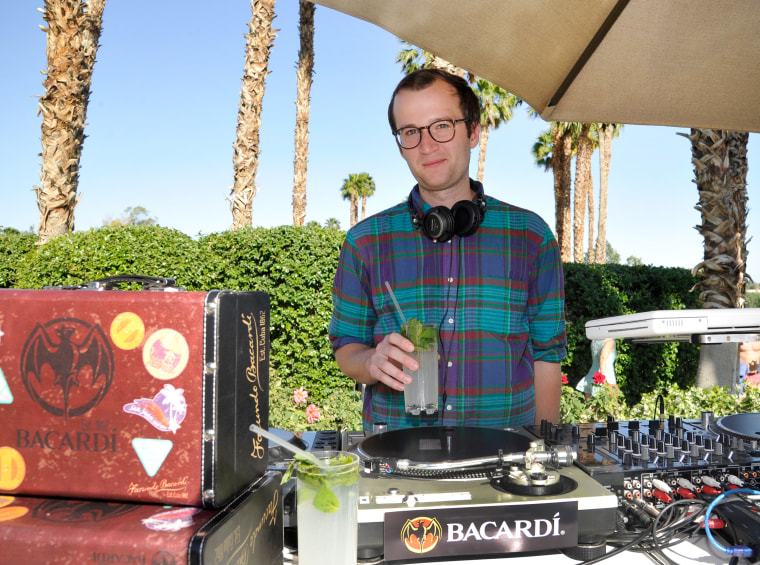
{"x": 421, "y": 395}
{"x": 327, "y": 506}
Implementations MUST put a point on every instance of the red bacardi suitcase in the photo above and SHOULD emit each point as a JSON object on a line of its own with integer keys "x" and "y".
{"x": 142, "y": 396}
{"x": 57, "y": 531}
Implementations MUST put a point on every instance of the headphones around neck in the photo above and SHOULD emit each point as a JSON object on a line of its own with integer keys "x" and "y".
{"x": 441, "y": 224}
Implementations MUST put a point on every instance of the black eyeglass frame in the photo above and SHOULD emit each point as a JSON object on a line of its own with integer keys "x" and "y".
{"x": 430, "y": 132}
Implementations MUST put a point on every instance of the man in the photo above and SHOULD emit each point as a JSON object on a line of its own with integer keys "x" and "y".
{"x": 488, "y": 274}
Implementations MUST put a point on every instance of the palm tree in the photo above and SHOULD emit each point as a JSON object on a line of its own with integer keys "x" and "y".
{"x": 366, "y": 189}
{"x": 605, "y": 134}
{"x": 496, "y": 105}
{"x": 412, "y": 59}
{"x": 583, "y": 191}
{"x": 304, "y": 76}
{"x": 554, "y": 149}
{"x": 73, "y": 31}
{"x": 357, "y": 185}
{"x": 720, "y": 166}
{"x": 245, "y": 159}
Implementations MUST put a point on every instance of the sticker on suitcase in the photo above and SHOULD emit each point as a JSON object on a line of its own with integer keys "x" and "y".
{"x": 127, "y": 330}
{"x": 165, "y": 411}
{"x": 152, "y": 453}
{"x": 5, "y": 391}
{"x": 165, "y": 354}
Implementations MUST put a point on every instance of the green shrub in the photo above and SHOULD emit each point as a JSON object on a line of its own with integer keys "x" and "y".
{"x": 14, "y": 247}
{"x": 600, "y": 291}
{"x": 134, "y": 250}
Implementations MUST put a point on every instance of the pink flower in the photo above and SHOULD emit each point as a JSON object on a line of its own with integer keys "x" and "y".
{"x": 313, "y": 413}
{"x": 599, "y": 378}
{"x": 300, "y": 395}
{"x": 564, "y": 380}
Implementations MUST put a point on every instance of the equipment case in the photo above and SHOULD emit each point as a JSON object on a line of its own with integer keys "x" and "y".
{"x": 140, "y": 396}
{"x": 50, "y": 531}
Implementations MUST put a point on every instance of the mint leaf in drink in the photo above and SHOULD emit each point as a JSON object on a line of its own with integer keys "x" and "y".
{"x": 318, "y": 481}
{"x": 422, "y": 337}
{"x": 325, "y": 500}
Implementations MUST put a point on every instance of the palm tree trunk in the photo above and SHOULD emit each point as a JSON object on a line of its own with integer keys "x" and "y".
{"x": 720, "y": 165}
{"x": 73, "y": 30}
{"x": 246, "y": 149}
{"x": 561, "y": 166}
{"x": 605, "y": 154}
{"x": 304, "y": 74}
{"x": 484, "y": 131}
{"x": 582, "y": 166}
{"x": 590, "y": 202}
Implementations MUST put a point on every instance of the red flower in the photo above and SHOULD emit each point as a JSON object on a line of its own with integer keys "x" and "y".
{"x": 313, "y": 413}
{"x": 599, "y": 378}
{"x": 564, "y": 380}
{"x": 300, "y": 395}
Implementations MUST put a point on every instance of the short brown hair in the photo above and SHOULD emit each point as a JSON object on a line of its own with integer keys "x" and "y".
{"x": 468, "y": 100}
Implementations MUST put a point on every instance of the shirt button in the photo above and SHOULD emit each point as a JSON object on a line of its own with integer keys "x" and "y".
{"x": 451, "y": 320}
{"x": 451, "y": 279}
{"x": 450, "y": 364}
{"x": 449, "y": 407}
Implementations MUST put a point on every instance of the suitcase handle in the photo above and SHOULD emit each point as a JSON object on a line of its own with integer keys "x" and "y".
{"x": 114, "y": 282}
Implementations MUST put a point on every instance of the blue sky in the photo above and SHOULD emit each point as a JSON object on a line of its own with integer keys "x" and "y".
{"x": 163, "y": 111}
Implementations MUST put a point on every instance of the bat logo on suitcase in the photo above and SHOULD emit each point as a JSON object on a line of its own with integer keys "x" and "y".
{"x": 67, "y": 366}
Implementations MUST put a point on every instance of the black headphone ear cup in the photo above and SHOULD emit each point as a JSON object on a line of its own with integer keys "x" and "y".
{"x": 438, "y": 224}
{"x": 466, "y": 215}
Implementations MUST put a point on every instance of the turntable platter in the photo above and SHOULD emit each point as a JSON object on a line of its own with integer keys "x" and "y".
{"x": 744, "y": 426}
{"x": 438, "y": 444}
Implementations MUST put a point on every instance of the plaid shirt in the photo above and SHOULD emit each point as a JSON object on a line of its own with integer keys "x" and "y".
{"x": 497, "y": 297}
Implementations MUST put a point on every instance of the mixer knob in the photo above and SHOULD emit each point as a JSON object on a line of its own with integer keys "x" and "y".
{"x": 652, "y": 442}
{"x": 575, "y": 431}
{"x": 690, "y": 436}
{"x": 633, "y": 425}
{"x": 661, "y": 448}
{"x": 654, "y": 425}
{"x": 627, "y": 459}
{"x": 667, "y": 438}
{"x": 590, "y": 440}
{"x": 679, "y": 422}
{"x": 636, "y": 435}
{"x": 671, "y": 421}
{"x": 699, "y": 440}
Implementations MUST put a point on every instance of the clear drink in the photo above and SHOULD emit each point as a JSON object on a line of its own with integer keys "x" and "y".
{"x": 327, "y": 506}
{"x": 421, "y": 395}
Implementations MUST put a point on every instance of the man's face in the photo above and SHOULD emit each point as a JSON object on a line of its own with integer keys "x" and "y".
{"x": 436, "y": 166}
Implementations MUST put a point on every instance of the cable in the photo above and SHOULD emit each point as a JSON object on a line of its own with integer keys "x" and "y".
{"x": 737, "y": 550}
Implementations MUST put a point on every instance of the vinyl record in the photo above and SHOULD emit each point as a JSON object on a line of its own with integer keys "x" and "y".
{"x": 743, "y": 426}
{"x": 437, "y": 444}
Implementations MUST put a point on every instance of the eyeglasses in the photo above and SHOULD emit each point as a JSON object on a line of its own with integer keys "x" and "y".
{"x": 441, "y": 131}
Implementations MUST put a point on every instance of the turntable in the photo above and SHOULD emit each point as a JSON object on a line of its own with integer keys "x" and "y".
{"x": 437, "y": 492}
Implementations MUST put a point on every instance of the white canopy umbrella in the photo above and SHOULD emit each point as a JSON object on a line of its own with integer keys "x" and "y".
{"x": 688, "y": 63}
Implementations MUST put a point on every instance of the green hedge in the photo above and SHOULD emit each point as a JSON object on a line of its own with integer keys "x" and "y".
{"x": 295, "y": 265}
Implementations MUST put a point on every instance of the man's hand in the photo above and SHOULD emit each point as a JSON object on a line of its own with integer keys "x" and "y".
{"x": 383, "y": 363}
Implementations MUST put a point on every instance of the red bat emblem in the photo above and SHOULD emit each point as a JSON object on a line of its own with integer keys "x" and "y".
{"x": 421, "y": 535}
{"x": 67, "y": 375}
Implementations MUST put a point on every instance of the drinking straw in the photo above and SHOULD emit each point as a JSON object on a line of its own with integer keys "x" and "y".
{"x": 395, "y": 302}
